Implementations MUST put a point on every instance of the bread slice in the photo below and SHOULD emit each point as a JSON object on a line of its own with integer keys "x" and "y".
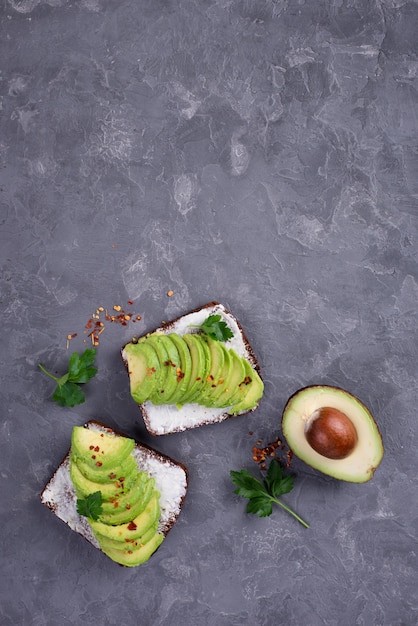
{"x": 165, "y": 419}
{"x": 171, "y": 478}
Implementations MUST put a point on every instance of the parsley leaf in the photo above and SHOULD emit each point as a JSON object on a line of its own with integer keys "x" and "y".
{"x": 91, "y": 506}
{"x": 262, "y": 494}
{"x": 216, "y": 328}
{"x": 80, "y": 370}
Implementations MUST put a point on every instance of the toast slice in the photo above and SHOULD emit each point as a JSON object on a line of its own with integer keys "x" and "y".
{"x": 162, "y": 419}
{"x": 171, "y": 480}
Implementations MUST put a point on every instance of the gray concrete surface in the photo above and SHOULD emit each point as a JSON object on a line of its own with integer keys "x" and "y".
{"x": 259, "y": 153}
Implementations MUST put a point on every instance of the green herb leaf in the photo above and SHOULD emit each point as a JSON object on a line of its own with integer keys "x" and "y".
{"x": 68, "y": 394}
{"x": 80, "y": 370}
{"x": 91, "y": 506}
{"x": 216, "y": 328}
{"x": 260, "y": 506}
{"x": 262, "y": 494}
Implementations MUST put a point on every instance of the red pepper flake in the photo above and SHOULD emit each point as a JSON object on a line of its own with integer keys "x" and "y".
{"x": 132, "y": 526}
{"x": 130, "y": 302}
{"x": 99, "y": 463}
{"x": 93, "y": 456}
{"x": 261, "y": 454}
{"x": 112, "y": 476}
{"x": 128, "y": 507}
{"x": 97, "y": 449}
{"x": 116, "y": 504}
{"x": 91, "y": 448}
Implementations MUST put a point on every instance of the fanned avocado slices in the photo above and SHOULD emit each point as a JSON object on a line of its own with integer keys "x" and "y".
{"x": 128, "y": 511}
{"x": 194, "y": 368}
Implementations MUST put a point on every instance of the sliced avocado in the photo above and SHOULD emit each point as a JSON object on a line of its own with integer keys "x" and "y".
{"x": 184, "y": 369}
{"x": 134, "y": 528}
{"x": 143, "y": 369}
{"x": 132, "y": 507}
{"x": 106, "y": 475}
{"x": 169, "y": 361}
{"x": 221, "y": 381}
{"x": 334, "y": 432}
{"x": 251, "y": 389}
{"x": 200, "y": 390}
{"x": 138, "y": 555}
{"x": 110, "y": 490}
{"x": 200, "y": 366}
{"x": 128, "y": 497}
{"x": 129, "y": 543}
{"x": 217, "y": 360}
{"x": 232, "y": 390}
{"x": 157, "y": 396}
{"x": 93, "y": 446}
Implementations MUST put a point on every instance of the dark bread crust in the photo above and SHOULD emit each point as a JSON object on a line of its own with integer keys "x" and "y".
{"x": 221, "y": 415}
{"x": 59, "y": 494}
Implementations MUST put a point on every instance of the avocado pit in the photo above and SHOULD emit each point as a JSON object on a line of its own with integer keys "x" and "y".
{"x": 331, "y": 433}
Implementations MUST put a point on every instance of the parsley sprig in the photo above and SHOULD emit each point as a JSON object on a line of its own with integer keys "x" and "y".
{"x": 216, "y": 328}
{"x": 91, "y": 506}
{"x": 263, "y": 494}
{"x": 80, "y": 370}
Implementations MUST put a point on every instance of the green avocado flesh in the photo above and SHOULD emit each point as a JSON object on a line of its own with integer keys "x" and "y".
{"x": 360, "y": 460}
{"x": 127, "y": 524}
{"x": 193, "y": 368}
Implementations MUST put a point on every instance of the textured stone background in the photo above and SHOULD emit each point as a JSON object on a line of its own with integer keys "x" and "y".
{"x": 261, "y": 153}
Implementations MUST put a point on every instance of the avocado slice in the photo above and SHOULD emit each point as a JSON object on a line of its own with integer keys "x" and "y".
{"x": 93, "y": 447}
{"x": 217, "y": 360}
{"x": 157, "y": 395}
{"x": 133, "y": 506}
{"x": 129, "y": 497}
{"x": 251, "y": 389}
{"x": 133, "y": 529}
{"x": 109, "y": 490}
{"x": 184, "y": 369}
{"x": 221, "y": 382}
{"x": 318, "y": 423}
{"x": 232, "y": 391}
{"x": 144, "y": 370}
{"x": 138, "y": 555}
{"x": 169, "y": 360}
{"x": 129, "y": 543}
{"x": 199, "y": 366}
{"x": 106, "y": 475}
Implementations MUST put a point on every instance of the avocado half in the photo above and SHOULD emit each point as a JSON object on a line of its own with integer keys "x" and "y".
{"x": 332, "y": 431}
